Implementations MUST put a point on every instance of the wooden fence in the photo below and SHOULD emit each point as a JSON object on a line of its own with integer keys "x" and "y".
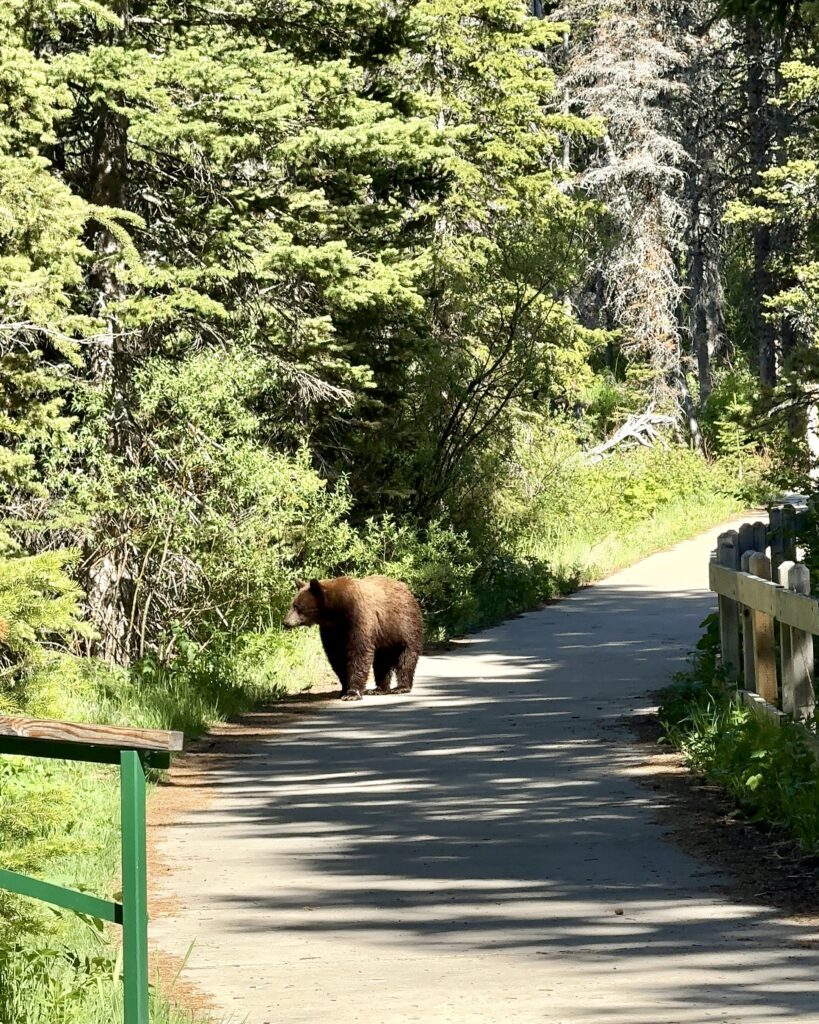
{"x": 765, "y": 609}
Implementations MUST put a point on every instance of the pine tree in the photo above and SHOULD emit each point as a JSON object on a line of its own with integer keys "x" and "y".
{"x": 767, "y": 32}
{"x": 41, "y": 262}
{"x": 511, "y": 238}
{"x": 247, "y": 198}
{"x": 709, "y": 117}
{"x": 783, "y": 206}
{"x": 290, "y": 231}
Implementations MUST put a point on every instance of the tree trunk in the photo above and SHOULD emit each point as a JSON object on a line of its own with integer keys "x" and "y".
{"x": 698, "y": 324}
{"x": 706, "y": 309}
{"x": 705, "y": 191}
{"x": 812, "y": 438}
{"x": 109, "y": 554}
{"x": 690, "y": 413}
{"x": 760, "y": 144}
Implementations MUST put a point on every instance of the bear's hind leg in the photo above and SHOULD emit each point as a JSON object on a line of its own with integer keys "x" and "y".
{"x": 384, "y": 664}
{"x": 405, "y": 670}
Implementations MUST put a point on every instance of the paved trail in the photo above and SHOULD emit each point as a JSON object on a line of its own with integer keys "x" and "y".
{"x": 459, "y": 855}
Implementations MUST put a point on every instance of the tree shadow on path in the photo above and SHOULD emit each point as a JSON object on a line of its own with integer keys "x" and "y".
{"x": 495, "y": 810}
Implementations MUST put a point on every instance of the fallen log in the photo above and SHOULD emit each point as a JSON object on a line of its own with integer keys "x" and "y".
{"x": 643, "y": 428}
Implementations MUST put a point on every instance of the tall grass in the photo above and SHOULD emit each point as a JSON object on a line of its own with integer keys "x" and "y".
{"x": 588, "y": 556}
{"x": 59, "y": 967}
{"x": 200, "y": 688}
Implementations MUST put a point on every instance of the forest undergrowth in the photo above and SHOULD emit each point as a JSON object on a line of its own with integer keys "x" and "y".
{"x": 770, "y": 772}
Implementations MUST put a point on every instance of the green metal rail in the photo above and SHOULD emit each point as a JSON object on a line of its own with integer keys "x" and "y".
{"x": 133, "y": 750}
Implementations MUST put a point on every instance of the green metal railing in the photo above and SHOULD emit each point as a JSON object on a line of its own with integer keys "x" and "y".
{"x": 133, "y": 750}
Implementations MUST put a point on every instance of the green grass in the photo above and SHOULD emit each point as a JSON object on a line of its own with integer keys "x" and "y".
{"x": 587, "y": 556}
{"x": 58, "y": 967}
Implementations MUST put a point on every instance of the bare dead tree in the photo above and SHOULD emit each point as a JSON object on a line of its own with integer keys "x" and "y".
{"x": 624, "y": 67}
{"x": 645, "y": 429}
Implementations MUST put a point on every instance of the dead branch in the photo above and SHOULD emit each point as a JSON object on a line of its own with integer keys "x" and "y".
{"x": 644, "y": 429}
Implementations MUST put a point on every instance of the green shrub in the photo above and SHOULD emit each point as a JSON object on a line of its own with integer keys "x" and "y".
{"x": 458, "y": 587}
{"x": 768, "y": 769}
{"x": 39, "y": 605}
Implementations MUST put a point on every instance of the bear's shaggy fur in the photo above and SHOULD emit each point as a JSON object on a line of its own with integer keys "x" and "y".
{"x": 373, "y": 622}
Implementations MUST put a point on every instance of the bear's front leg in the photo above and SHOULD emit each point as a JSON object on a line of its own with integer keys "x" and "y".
{"x": 359, "y": 661}
{"x": 334, "y": 644}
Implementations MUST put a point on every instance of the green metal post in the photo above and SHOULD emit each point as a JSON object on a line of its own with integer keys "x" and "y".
{"x": 134, "y": 889}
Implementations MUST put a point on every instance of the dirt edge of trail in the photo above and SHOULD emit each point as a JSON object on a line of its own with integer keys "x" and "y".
{"x": 759, "y": 864}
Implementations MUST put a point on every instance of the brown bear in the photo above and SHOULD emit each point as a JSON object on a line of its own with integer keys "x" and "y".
{"x": 373, "y": 622}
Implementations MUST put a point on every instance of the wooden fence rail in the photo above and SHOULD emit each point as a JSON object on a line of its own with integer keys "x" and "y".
{"x": 763, "y": 592}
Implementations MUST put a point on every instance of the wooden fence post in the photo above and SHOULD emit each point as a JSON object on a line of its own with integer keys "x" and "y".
{"x": 777, "y": 540}
{"x": 798, "y": 698}
{"x": 749, "y": 676}
{"x": 760, "y": 537}
{"x": 746, "y": 539}
{"x": 762, "y": 626}
{"x": 788, "y": 534}
{"x": 752, "y": 537}
{"x": 728, "y": 555}
{"x": 785, "y": 644}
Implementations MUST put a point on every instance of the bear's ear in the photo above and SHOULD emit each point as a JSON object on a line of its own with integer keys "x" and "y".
{"x": 301, "y": 584}
{"x": 316, "y": 589}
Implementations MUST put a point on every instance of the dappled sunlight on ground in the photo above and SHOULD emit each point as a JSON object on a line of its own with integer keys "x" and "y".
{"x": 481, "y": 846}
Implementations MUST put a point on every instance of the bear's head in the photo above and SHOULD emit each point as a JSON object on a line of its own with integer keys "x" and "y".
{"x": 307, "y": 605}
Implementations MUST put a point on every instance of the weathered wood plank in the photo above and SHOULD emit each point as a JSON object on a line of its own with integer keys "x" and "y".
{"x": 748, "y": 676}
{"x": 761, "y": 707}
{"x": 798, "y": 698}
{"x": 90, "y": 735}
{"x": 788, "y": 670}
{"x": 746, "y": 539}
{"x": 796, "y": 610}
{"x": 762, "y": 627}
{"x": 760, "y": 536}
{"x": 788, "y": 534}
{"x": 728, "y": 558}
{"x": 776, "y": 533}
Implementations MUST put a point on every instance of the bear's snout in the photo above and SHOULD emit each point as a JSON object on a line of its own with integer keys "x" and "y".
{"x": 292, "y": 619}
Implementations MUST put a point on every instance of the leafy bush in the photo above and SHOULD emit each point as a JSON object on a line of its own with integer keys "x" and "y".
{"x": 220, "y": 522}
{"x": 39, "y": 607}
